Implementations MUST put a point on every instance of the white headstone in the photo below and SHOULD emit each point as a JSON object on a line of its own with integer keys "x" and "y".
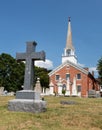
{"x": 51, "y": 85}
{"x": 47, "y": 91}
{"x": 1, "y": 90}
{"x": 68, "y": 88}
{"x": 59, "y": 84}
{"x": 74, "y": 89}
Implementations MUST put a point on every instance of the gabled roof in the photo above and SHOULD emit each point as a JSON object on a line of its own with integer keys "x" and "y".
{"x": 77, "y": 66}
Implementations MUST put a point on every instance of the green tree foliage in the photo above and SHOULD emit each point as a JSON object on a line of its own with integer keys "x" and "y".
{"x": 99, "y": 68}
{"x": 42, "y": 73}
{"x": 11, "y": 73}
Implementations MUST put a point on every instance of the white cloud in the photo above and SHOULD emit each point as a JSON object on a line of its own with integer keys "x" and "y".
{"x": 47, "y": 64}
{"x": 82, "y": 65}
{"x": 95, "y": 71}
{"x": 92, "y": 69}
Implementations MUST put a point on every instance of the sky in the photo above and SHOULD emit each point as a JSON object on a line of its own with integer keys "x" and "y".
{"x": 46, "y": 22}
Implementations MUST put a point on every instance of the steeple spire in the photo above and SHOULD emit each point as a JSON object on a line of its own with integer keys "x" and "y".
{"x": 69, "y": 51}
{"x": 69, "y": 44}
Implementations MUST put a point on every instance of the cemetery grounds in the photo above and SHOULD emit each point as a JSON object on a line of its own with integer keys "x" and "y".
{"x": 85, "y": 114}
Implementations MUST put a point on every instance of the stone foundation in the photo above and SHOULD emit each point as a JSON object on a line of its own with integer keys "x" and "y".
{"x": 27, "y": 101}
{"x": 25, "y": 105}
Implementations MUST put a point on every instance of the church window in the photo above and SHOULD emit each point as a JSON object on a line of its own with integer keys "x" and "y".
{"x": 57, "y": 77}
{"x": 78, "y": 88}
{"x": 78, "y": 76}
{"x": 67, "y": 76}
{"x": 68, "y": 52}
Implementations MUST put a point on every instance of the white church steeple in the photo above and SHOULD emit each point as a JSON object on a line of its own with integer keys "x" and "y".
{"x": 69, "y": 51}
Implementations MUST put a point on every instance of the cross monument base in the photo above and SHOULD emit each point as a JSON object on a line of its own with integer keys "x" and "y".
{"x": 27, "y": 94}
{"x": 27, "y": 101}
{"x": 27, "y": 105}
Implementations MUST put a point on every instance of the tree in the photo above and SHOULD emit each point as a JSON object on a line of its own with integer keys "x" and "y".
{"x": 42, "y": 73}
{"x": 63, "y": 91}
{"x": 11, "y": 73}
{"x": 99, "y": 68}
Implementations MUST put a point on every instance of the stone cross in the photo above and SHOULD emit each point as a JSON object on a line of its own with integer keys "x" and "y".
{"x": 30, "y": 56}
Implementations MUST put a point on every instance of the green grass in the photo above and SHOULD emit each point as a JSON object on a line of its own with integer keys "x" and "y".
{"x": 86, "y": 114}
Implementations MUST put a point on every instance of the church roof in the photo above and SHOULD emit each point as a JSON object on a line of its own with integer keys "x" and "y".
{"x": 69, "y": 44}
{"x": 77, "y": 66}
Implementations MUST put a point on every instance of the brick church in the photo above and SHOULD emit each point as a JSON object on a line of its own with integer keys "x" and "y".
{"x": 70, "y": 76}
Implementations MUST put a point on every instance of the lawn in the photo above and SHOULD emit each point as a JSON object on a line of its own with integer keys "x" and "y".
{"x": 85, "y": 114}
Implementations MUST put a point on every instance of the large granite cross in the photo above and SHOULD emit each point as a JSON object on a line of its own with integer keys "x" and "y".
{"x": 30, "y": 56}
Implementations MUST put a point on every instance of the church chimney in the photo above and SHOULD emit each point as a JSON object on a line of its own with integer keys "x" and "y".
{"x": 93, "y": 73}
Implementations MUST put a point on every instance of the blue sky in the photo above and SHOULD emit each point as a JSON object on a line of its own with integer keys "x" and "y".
{"x": 46, "y": 21}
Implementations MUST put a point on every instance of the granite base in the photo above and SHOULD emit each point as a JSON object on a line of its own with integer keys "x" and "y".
{"x": 27, "y": 94}
{"x": 25, "y": 105}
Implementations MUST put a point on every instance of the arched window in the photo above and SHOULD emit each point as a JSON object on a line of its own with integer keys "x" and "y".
{"x": 67, "y": 76}
{"x": 78, "y": 88}
{"x": 79, "y": 76}
{"x": 68, "y": 52}
{"x": 57, "y": 77}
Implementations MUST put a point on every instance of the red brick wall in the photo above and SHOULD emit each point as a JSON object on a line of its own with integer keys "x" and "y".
{"x": 85, "y": 82}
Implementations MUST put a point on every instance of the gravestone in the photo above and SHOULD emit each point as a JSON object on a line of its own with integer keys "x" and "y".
{"x": 27, "y": 99}
{"x": 38, "y": 88}
{"x": 47, "y": 91}
{"x": 92, "y": 94}
{"x": 1, "y": 90}
{"x": 67, "y": 102}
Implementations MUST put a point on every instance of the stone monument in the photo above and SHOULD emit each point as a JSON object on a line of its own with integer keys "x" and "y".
{"x": 92, "y": 93}
{"x": 38, "y": 88}
{"x": 1, "y": 90}
{"x": 27, "y": 99}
